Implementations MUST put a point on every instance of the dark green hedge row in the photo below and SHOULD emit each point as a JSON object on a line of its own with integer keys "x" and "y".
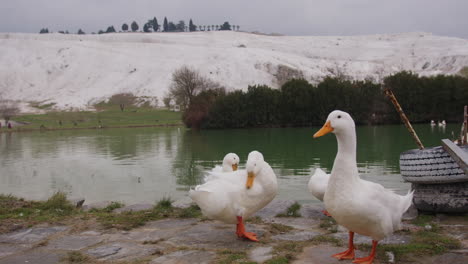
{"x": 299, "y": 103}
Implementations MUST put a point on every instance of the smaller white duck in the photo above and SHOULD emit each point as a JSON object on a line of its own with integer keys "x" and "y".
{"x": 237, "y": 195}
{"x": 433, "y": 123}
{"x": 318, "y": 184}
{"x": 230, "y": 163}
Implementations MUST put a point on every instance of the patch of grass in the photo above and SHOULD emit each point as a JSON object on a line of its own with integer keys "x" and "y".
{"x": 75, "y": 257}
{"x": 255, "y": 220}
{"x": 286, "y": 251}
{"x": 165, "y": 202}
{"x": 58, "y": 203}
{"x": 422, "y": 243}
{"x": 126, "y": 220}
{"x": 422, "y": 220}
{"x": 192, "y": 211}
{"x": 292, "y": 211}
{"x": 276, "y": 228}
{"x": 230, "y": 257}
{"x": 329, "y": 224}
{"x": 289, "y": 246}
{"x": 278, "y": 260}
{"x": 109, "y": 117}
{"x": 16, "y": 212}
{"x": 327, "y": 239}
{"x": 108, "y": 209}
{"x": 113, "y": 205}
{"x": 129, "y": 220}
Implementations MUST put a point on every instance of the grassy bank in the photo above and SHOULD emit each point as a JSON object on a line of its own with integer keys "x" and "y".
{"x": 18, "y": 213}
{"x": 106, "y": 117}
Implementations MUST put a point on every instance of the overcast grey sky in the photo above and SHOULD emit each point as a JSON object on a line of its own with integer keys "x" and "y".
{"x": 289, "y": 17}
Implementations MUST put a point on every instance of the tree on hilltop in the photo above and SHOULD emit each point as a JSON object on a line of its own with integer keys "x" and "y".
{"x": 146, "y": 27}
{"x": 110, "y": 29}
{"x": 192, "y": 27}
{"x": 171, "y": 27}
{"x": 225, "y": 26}
{"x": 124, "y": 27}
{"x": 154, "y": 24}
{"x": 134, "y": 26}
{"x": 180, "y": 26}
{"x": 44, "y": 31}
{"x": 165, "y": 25}
{"x": 80, "y": 32}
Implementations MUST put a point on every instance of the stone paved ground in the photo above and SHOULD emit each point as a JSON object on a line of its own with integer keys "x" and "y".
{"x": 180, "y": 241}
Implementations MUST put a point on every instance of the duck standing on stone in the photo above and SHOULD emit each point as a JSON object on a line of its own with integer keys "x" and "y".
{"x": 235, "y": 196}
{"x": 364, "y": 207}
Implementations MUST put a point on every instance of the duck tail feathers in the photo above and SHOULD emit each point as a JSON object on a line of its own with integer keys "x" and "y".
{"x": 407, "y": 201}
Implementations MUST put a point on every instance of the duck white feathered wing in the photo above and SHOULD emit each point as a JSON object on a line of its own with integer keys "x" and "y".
{"x": 318, "y": 183}
{"x": 387, "y": 206}
{"x": 221, "y": 196}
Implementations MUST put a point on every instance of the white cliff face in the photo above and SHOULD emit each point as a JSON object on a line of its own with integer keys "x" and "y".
{"x": 74, "y": 71}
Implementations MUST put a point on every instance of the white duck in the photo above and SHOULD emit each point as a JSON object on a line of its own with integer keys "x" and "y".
{"x": 318, "y": 185}
{"x": 239, "y": 195}
{"x": 361, "y": 206}
{"x": 230, "y": 164}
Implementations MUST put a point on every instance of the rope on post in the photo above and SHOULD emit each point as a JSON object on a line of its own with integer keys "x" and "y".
{"x": 388, "y": 92}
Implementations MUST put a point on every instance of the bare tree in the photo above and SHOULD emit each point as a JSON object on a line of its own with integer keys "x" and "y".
{"x": 186, "y": 84}
{"x": 122, "y": 99}
{"x": 8, "y": 109}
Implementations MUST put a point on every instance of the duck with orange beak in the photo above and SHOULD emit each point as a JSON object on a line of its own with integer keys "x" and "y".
{"x": 363, "y": 207}
{"x": 230, "y": 164}
{"x": 237, "y": 195}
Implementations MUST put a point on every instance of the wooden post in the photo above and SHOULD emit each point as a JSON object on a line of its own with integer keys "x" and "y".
{"x": 403, "y": 117}
{"x": 465, "y": 126}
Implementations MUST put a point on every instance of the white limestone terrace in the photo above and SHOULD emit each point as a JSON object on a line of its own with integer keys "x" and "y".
{"x": 75, "y": 71}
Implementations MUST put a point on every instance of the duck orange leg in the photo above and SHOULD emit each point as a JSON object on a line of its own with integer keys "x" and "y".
{"x": 325, "y": 212}
{"x": 349, "y": 253}
{"x": 241, "y": 231}
{"x": 369, "y": 259}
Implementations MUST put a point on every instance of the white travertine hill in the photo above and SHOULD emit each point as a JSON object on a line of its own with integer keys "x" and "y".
{"x": 76, "y": 70}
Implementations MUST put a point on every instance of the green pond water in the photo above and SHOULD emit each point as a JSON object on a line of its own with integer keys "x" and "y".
{"x": 146, "y": 164}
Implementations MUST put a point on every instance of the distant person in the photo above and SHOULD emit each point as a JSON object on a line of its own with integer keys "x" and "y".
{"x": 9, "y": 125}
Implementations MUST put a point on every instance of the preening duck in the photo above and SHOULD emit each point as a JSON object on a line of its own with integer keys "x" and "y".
{"x": 237, "y": 195}
{"x": 364, "y": 207}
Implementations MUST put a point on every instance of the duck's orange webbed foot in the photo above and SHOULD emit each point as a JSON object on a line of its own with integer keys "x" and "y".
{"x": 241, "y": 233}
{"x": 325, "y": 212}
{"x": 369, "y": 259}
{"x": 349, "y": 253}
{"x": 250, "y": 236}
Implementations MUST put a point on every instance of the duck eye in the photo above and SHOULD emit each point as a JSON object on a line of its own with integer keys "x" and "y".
{"x": 339, "y": 116}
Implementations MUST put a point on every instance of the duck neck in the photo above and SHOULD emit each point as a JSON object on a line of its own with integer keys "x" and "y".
{"x": 346, "y": 156}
